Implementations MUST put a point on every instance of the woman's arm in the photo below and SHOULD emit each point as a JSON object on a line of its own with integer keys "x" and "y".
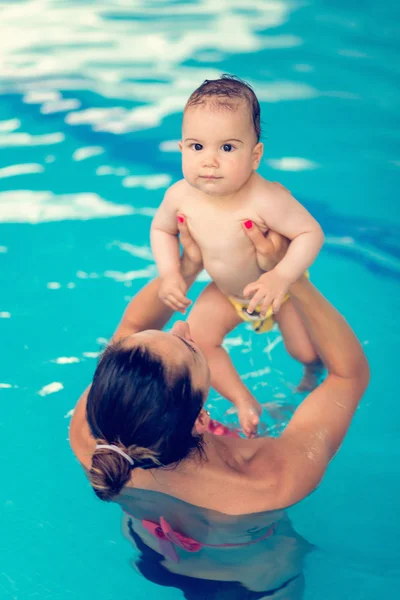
{"x": 145, "y": 311}
{"x": 319, "y": 425}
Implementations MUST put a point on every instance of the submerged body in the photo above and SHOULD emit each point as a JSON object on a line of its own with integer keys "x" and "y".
{"x": 260, "y": 551}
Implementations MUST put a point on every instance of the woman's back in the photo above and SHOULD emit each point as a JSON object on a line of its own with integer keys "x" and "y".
{"x": 262, "y": 551}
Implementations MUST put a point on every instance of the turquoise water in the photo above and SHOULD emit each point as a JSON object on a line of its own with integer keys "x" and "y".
{"x": 90, "y": 95}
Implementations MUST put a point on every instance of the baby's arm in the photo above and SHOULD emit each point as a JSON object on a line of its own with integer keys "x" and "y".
{"x": 165, "y": 247}
{"x": 164, "y": 235}
{"x": 287, "y": 216}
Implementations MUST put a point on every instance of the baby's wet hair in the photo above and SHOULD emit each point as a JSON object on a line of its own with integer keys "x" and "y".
{"x": 225, "y": 92}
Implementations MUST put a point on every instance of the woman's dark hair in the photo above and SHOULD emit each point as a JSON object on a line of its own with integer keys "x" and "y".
{"x": 225, "y": 89}
{"x": 139, "y": 405}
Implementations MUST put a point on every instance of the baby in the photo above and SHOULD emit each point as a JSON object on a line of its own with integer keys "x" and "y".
{"x": 221, "y": 151}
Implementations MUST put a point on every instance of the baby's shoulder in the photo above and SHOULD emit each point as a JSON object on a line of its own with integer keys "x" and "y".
{"x": 272, "y": 188}
{"x": 177, "y": 191}
{"x": 178, "y": 187}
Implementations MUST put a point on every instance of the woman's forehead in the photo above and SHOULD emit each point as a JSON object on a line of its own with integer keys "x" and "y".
{"x": 160, "y": 341}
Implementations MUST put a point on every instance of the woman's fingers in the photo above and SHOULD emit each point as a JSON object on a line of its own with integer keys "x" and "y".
{"x": 256, "y": 236}
{"x": 189, "y": 245}
{"x": 184, "y": 235}
{"x": 270, "y": 247}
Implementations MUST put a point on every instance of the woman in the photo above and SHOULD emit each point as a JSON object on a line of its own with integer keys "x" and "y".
{"x": 200, "y": 506}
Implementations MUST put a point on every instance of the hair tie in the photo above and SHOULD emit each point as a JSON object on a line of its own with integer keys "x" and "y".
{"x": 117, "y": 450}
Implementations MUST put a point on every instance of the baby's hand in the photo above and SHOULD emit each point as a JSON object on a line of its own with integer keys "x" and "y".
{"x": 173, "y": 292}
{"x": 270, "y": 288}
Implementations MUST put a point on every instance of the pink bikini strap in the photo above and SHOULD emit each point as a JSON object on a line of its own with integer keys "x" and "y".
{"x": 167, "y": 538}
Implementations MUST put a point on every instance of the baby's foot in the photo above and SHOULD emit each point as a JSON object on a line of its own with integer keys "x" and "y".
{"x": 249, "y": 413}
{"x": 311, "y": 377}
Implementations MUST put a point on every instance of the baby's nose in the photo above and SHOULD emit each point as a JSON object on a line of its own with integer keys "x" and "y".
{"x": 210, "y": 160}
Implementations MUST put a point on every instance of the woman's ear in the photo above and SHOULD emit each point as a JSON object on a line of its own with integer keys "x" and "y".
{"x": 201, "y": 425}
{"x": 257, "y": 154}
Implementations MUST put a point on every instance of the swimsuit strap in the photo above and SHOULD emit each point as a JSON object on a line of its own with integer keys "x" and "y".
{"x": 168, "y": 538}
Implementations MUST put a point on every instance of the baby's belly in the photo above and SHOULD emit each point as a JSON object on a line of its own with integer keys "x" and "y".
{"x": 232, "y": 272}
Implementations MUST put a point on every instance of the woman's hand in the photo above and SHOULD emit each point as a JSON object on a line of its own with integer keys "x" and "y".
{"x": 270, "y": 247}
{"x": 191, "y": 259}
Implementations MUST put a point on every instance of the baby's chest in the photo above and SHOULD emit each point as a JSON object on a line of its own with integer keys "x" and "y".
{"x": 214, "y": 228}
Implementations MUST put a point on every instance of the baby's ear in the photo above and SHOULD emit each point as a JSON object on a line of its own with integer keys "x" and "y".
{"x": 257, "y": 154}
{"x": 180, "y": 145}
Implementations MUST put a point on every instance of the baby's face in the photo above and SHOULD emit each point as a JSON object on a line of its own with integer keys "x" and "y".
{"x": 219, "y": 148}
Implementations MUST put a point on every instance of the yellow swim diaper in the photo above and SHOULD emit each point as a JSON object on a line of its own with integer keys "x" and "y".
{"x": 260, "y": 324}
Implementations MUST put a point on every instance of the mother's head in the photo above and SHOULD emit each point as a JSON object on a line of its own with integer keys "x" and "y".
{"x": 147, "y": 399}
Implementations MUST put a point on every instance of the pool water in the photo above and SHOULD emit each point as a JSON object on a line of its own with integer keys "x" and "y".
{"x": 90, "y": 101}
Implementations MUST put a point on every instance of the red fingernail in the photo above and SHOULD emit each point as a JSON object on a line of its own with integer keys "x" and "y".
{"x": 248, "y": 224}
{"x": 180, "y": 219}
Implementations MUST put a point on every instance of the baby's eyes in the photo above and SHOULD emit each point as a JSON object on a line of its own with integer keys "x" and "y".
{"x": 226, "y": 147}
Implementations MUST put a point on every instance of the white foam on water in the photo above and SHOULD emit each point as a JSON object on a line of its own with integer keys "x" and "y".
{"x": 169, "y": 146}
{"x": 107, "y": 170}
{"x": 25, "y": 206}
{"x": 56, "y": 106}
{"x": 122, "y": 277}
{"x": 143, "y": 252}
{"x": 51, "y": 388}
{"x": 362, "y": 249}
{"x": 291, "y": 163}
{"x": 53, "y": 285}
{"x": 256, "y": 374}
{"x": 86, "y": 152}
{"x": 66, "y": 360}
{"x": 5, "y": 315}
{"x": 40, "y": 96}
{"x": 149, "y": 182}
{"x": 104, "y": 170}
{"x": 69, "y": 414}
{"x": 5, "y": 386}
{"x": 84, "y": 275}
{"x": 26, "y": 139}
{"x": 10, "y": 125}
{"x": 22, "y": 169}
{"x": 91, "y": 354}
{"x": 3, "y": 249}
{"x": 72, "y": 49}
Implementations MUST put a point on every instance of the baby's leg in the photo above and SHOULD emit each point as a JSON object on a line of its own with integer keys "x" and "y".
{"x": 210, "y": 319}
{"x": 299, "y": 345}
